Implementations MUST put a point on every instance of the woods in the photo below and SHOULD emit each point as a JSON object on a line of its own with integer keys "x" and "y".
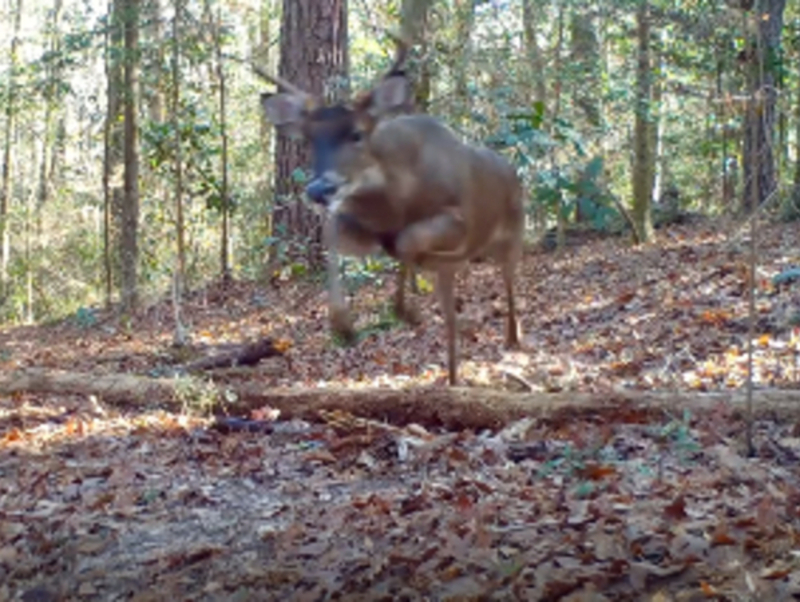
{"x": 441, "y": 299}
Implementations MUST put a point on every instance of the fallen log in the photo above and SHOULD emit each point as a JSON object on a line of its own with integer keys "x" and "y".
{"x": 452, "y": 408}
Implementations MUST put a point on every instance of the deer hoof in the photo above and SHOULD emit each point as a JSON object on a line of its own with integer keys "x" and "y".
{"x": 342, "y": 325}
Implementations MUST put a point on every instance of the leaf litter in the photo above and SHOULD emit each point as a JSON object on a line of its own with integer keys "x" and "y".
{"x": 619, "y": 504}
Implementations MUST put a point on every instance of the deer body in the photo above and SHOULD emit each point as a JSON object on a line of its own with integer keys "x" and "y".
{"x": 408, "y": 185}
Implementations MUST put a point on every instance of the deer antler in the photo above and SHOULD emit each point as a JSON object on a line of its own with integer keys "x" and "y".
{"x": 401, "y": 53}
{"x": 278, "y": 81}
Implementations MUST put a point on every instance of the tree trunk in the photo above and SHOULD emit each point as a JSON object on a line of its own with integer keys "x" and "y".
{"x": 644, "y": 152}
{"x": 130, "y": 205}
{"x": 152, "y": 85}
{"x": 179, "y": 270}
{"x": 533, "y": 52}
{"x": 657, "y": 124}
{"x": 112, "y": 142}
{"x": 793, "y": 210}
{"x": 225, "y": 268}
{"x": 35, "y": 233}
{"x": 464, "y": 17}
{"x": 5, "y": 184}
{"x": 585, "y": 59}
{"x": 536, "y": 74}
{"x": 759, "y": 129}
{"x": 313, "y": 49}
{"x": 52, "y": 75}
{"x": 561, "y": 216}
{"x": 415, "y": 24}
{"x": 265, "y": 57}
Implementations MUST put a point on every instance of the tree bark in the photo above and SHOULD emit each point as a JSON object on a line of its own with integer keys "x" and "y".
{"x": 52, "y": 75}
{"x": 5, "y": 183}
{"x": 313, "y": 50}
{"x": 760, "y": 180}
{"x": 265, "y": 57}
{"x": 151, "y": 85}
{"x": 533, "y": 52}
{"x": 112, "y": 142}
{"x": 794, "y": 209}
{"x": 225, "y": 268}
{"x": 644, "y": 152}
{"x": 585, "y": 59}
{"x": 464, "y": 17}
{"x": 536, "y": 71}
{"x": 129, "y": 243}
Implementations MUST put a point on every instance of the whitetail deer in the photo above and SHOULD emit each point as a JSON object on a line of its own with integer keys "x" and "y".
{"x": 406, "y": 184}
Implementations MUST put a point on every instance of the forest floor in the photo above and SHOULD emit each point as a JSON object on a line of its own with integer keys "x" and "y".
{"x": 606, "y": 501}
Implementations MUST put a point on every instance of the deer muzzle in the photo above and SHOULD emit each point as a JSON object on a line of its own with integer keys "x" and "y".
{"x": 321, "y": 190}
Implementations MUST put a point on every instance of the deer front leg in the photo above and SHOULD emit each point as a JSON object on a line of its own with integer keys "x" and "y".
{"x": 338, "y": 314}
{"x": 445, "y": 284}
{"x": 444, "y": 232}
{"x": 512, "y": 328}
{"x": 404, "y": 312}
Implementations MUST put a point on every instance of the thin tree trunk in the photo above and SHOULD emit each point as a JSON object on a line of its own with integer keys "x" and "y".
{"x": 536, "y": 71}
{"x": 5, "y": 184}
{"x": 722, "y": 118}
{"x": 464, "y": 13}
{"x": 657, "y": 126}
{"x": 180, "y": 243}
{"x": 561, "y": 217}
{"x": 153, "y": 85}
{"x": 266, "y": 58}
{"x": 50, "y": 99}
{"x": 533, "y": 52}
{"x": 225, "y": 268}
{"x": 180, "y": 334}
{"x": 112, "y": 142}
{"x": 759, "y": 158}
{"x": 644, "y": 155}
{"x": 794, "y": 210}
{"x": 130, "y": 206}
{"x": 416, "y": 21}
{"x": 28, "y": 232}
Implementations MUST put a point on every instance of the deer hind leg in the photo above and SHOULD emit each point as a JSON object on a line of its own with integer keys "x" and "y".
{"x": 509, "y": 254}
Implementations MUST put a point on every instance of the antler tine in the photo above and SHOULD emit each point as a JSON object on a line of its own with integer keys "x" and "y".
{"x": 278, "y": 81}
{"x": 401, "y": 52}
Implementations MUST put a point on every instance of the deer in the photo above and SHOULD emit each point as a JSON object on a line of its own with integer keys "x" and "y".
{"x": 406, "y": 184}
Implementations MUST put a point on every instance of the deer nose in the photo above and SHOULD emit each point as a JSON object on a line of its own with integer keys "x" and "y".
{"x": 320, "y": 190}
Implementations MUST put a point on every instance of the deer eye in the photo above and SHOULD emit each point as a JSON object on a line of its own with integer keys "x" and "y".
{"x": 355, "y": 136}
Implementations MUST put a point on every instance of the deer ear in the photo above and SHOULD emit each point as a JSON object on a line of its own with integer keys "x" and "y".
{"x": 285, "y": 111}
{"x": 392, "y": 93}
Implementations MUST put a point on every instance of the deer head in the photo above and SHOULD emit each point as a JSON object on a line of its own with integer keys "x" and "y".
{"x": 337, "y": 133}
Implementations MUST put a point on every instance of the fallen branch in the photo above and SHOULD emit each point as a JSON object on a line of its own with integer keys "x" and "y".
{"x": 243, "y": 355}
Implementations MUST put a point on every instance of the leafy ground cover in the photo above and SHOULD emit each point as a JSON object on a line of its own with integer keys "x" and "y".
{"x": 620, "y": 502}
